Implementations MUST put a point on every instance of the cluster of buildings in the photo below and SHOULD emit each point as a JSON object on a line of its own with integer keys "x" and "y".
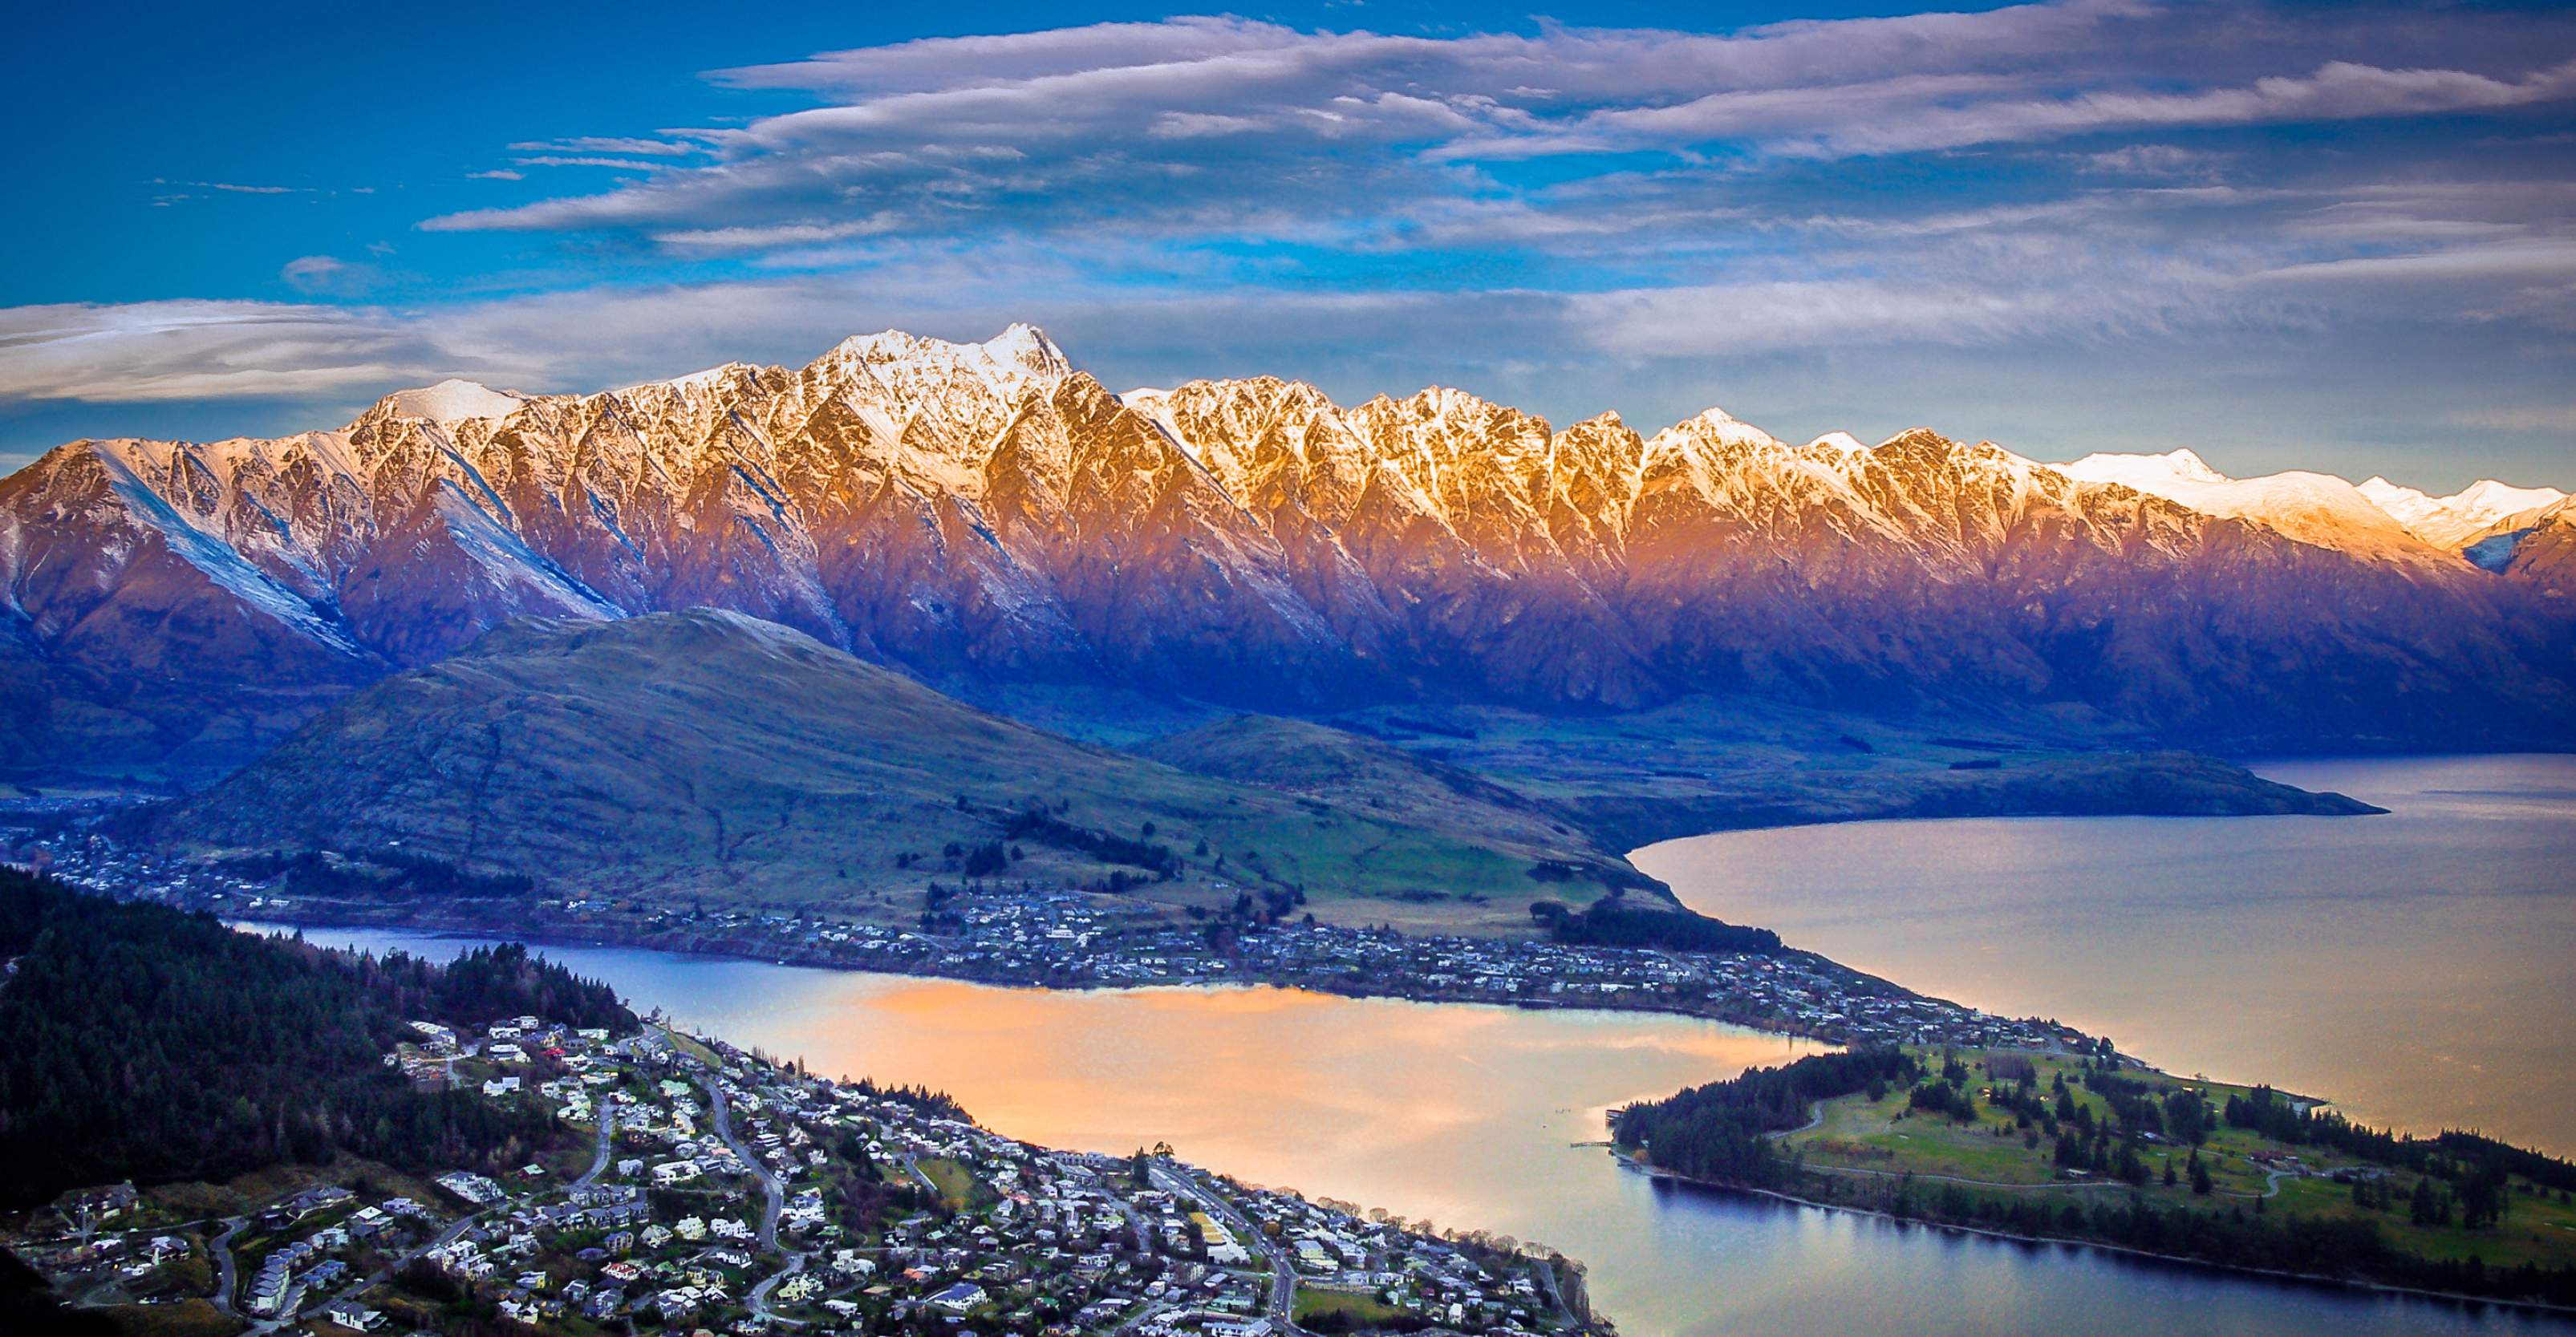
{"x": 300, "y": 1261}
{"x": 1051, "y": 937}
{"x": 817, "y": 1207}
{"x": 1065, "y": 939}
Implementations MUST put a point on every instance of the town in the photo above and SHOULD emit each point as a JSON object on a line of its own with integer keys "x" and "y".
{"x": 699, "y": 1188}
{"x": 1026, "y": 934}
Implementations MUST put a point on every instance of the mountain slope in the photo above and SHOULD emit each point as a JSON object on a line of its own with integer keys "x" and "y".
{"x": 980, "y": 514}
{"x": 1302, "y": 758}
{"x": 710, "y": 753}
{"x": 2535, "y": 550}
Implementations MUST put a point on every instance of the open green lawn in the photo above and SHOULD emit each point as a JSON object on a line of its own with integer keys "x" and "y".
{"x": 1365, "y": 1310}
{"x": 956, "y": 1183}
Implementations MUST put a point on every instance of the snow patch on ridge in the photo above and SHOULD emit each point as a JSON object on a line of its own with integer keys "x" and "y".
{"x": 1155, "y": 406}
{"x": 510, "y": 561}
{"x": 216, "y": 559}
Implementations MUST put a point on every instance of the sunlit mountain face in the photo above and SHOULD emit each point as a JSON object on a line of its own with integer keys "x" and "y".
{"x": 989, "y": 513}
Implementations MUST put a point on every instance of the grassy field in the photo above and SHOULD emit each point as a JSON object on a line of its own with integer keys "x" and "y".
{"x": 1856, "y": 1139}
{"x": 957, "y": 1184}
{"x": 1366, "y": 1311}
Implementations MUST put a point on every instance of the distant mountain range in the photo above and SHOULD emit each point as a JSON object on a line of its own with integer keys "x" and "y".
{"x": 986, "y": 514}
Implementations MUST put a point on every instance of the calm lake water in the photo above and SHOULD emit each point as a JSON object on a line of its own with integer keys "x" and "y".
{"x": 2418, "y": 969}
{"x": 1468, "y": 1116}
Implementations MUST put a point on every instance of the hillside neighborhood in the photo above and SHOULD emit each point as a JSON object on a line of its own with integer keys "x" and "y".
{"x": 702, "y": 1189}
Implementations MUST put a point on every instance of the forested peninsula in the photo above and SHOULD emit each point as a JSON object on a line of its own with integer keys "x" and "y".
{"x": 2092, "y": 1147}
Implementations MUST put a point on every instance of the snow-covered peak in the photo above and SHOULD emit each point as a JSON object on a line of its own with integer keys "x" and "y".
{"x": 2159, "y": 475}
{"x": 453, "y": 400}
{"x": 2318, "y": 509}
{"x": 1718, "y": 427}
{"x": 2448, "y": 522}
{"x": 1026, "y": 348}
{"x": 1837, "y": 444}
{"x": 926, "y": 372}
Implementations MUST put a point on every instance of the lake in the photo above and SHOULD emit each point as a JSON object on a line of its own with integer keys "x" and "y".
{"x": 2418, "y": 969}
{"x": 1469, "y": 1116}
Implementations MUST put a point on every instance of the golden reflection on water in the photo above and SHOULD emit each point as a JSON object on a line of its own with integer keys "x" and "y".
{"x": 1374, "y": 1100}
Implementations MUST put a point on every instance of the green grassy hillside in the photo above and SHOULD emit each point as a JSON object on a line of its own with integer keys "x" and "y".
{"x": 1389, "y": 783}
{"x": 710, "y": 755}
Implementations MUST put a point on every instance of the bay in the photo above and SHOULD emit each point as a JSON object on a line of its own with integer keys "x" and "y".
{"x": 1471, "y": 1116}
{"x": 2417, "y": 969}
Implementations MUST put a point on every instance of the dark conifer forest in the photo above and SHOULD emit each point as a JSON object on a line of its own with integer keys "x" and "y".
{"x": 138, "y": 1042}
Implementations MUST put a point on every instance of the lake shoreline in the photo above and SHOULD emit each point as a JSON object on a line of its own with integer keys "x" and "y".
{"x": 736, "y": 948}
{"x": 1628, "y": 1162}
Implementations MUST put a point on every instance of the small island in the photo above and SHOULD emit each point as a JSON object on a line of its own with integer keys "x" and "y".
{"x": 2086, "y": 1145}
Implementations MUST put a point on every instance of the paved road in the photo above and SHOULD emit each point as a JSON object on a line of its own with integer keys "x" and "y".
{"x": 912, "y": 1167}
{"x": 1283, "y": 1276}
{"x": 774, "y": 1202}
{"x": 599, "y": 1160}
{"x": 1813, "y": 1119}
{"x": 1972, "y": 1183}
{"x": 221, "y": 1246}
{"x": 772, "y": 1191}
{"x": 1547, "y": 1278}
{"x": 760, "y": 1293}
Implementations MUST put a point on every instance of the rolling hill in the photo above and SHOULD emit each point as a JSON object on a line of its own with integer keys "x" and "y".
{"x": 712, "y": 755}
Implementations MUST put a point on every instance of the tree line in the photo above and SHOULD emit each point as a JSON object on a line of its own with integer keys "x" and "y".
{"x": 1718, "y": 1131}
{"x": 1609, "y": 923}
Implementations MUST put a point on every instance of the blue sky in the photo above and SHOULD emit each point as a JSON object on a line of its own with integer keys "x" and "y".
{"x": 2321, "y": 236}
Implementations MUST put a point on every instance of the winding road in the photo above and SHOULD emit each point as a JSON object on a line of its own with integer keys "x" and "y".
{"x": 773, "y": 1204}
{"x": 221, "y": 1246}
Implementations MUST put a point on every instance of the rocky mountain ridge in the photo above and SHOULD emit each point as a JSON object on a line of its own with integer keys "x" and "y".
{"x": 982, "y": 512}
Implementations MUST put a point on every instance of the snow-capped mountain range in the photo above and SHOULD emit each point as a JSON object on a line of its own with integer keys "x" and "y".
{"x": 983, "y": 512}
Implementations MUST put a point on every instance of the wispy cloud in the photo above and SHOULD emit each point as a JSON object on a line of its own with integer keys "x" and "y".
{"x": 192, "y": 350}
{"x": 322, "y": 274}
{"x": 1218, "y": 123}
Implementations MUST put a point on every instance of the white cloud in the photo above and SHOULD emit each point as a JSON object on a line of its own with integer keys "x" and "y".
{"x": 321, "y": 275}
{"x": 1201, "y": 124}
{"x": 191, "y": 350}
